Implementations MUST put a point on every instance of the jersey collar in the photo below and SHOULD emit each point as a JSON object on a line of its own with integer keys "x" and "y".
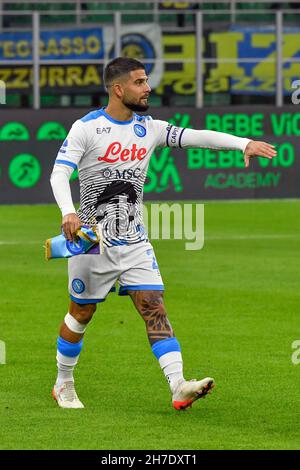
{"x": 121, "y": 123}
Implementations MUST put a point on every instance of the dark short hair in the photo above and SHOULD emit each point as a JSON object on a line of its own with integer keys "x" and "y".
{"x": 120, "y": 66}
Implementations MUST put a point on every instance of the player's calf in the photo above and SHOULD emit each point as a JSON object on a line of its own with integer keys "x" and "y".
{"x": 150, "y": 305}
{"x": 167, "y": 349}
{"x": 69, "y": 345}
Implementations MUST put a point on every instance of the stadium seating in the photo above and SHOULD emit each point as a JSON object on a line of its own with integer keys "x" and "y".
{"x": 217, "y": 15}
{"x": 96, "y": 12}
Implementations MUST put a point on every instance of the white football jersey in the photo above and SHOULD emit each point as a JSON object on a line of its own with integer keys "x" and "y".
{"x": 112, "y": 158}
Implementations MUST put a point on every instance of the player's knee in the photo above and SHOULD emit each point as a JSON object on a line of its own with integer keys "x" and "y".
{"x": 153, "y": 304}
{"x": 154, "y": 299}
{"x": 83, "y": 313}
{"x": 155, "y": 316}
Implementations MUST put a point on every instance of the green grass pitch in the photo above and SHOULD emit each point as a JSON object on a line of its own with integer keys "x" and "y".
{"x": 234, "y": 307}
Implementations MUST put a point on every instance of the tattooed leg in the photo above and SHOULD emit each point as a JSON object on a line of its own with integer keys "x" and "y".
{"x": 151, "y": 307}
{"x": 164, "y": 345}
{"x": 167, "y": 350}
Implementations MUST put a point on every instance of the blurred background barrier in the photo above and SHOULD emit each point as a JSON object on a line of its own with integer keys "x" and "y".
{"x": 232, "y": 66}
{"x": 197, "y": 53}
{"x": 30, "y": 141}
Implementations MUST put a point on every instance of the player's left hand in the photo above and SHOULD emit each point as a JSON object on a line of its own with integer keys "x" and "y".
{"x": 258, "y": 149}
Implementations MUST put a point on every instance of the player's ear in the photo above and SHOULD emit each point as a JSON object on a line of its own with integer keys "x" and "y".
{"x": 118, "y": 89}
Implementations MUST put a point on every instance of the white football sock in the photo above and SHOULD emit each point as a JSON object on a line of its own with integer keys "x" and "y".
{"x": 172, "y": 366}
{"x": 65, "y": 366}
{"x": 65, "y": 374}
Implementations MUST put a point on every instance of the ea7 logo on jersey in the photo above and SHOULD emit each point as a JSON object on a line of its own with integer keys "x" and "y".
{"x": 103, "y": 130}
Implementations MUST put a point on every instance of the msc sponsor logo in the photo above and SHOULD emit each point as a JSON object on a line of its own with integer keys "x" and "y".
{"x": 107, "y": 173}
{"x": 103, "y": 130}
{"x": 124, "y": 175}
{"x": 115, "y": 152}
{"x": 139, "y": 130}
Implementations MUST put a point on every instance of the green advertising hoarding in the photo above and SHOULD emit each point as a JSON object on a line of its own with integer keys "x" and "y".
{"x": 30, "y": 141}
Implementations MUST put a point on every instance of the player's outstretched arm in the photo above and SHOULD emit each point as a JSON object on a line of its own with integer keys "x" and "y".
{"x": 222, "y": 141}
{"x": 258, "y": 149}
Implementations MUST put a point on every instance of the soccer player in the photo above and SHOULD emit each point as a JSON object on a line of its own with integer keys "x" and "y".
{"x": 111, "y": 147}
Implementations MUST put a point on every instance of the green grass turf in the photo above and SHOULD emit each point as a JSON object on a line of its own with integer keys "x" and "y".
{"x": 234, "y": 307}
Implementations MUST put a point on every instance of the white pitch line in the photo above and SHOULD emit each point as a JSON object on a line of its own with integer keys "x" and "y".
{"x": 252, "y": 236}
{"x": 20, "y": 242}
{"x": 255, "y": 237}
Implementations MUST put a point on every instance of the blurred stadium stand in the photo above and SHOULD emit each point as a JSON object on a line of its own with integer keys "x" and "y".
{"x": 150, "y": 11}
{"x": 175, "y": 18}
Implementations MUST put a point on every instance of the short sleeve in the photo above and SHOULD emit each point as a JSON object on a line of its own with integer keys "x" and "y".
{"x": 167, "y": 135}
{"x": 73, "y": 147}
